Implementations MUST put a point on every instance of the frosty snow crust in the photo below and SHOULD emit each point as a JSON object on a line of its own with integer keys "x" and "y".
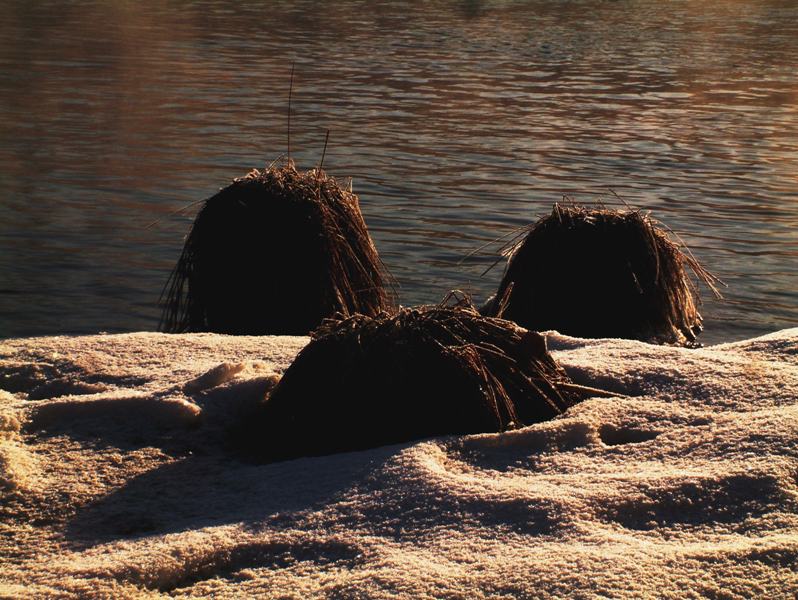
{"x": 116, "y": 481}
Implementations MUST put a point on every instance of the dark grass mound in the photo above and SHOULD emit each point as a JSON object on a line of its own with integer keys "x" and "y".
{"x": 275, "y": 252}
{"x": 602, "y": 273}
{"x": 364, "y": 382}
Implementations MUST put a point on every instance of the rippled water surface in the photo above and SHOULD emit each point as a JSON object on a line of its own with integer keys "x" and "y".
{"x": 458, "y": 122}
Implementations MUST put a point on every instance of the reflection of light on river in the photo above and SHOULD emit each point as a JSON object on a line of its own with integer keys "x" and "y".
{"x": 458, "y": 122}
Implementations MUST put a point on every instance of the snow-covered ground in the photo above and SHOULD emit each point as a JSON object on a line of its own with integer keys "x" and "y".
{"x": 116, "y": 482}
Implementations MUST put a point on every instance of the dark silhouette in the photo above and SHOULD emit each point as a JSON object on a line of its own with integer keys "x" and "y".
{"x": 364, "y": 382}
{"x": 275, "y": 252}
{"x": 602, "y": 273}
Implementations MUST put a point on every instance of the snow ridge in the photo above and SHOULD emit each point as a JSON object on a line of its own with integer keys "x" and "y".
{"x": 116, "y": 481}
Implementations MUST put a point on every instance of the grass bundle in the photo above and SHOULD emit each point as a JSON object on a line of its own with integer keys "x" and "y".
{"x": 275, "y": 252}
{"x": 364, "y": 382}
{"x": 602, "y": 272}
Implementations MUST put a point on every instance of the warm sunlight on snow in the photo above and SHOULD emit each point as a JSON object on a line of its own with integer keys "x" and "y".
{"x": 116, "y": 482}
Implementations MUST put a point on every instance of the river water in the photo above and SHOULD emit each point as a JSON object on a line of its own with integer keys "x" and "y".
{"x": 458, "y": 122}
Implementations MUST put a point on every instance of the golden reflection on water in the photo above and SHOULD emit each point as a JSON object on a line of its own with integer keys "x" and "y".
{"x": 457, "y": 120}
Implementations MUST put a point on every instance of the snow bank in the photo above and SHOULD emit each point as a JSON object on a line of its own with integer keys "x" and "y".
{"x": 115, "y": 481}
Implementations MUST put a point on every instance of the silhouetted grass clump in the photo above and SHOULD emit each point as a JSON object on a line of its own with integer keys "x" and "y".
{"x": 599, "y": 272}
{"x": 370, "y": 381}
{"x": 275, "y": 252}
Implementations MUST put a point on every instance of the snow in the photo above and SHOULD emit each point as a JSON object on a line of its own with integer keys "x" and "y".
{"x": 116, "y": 481}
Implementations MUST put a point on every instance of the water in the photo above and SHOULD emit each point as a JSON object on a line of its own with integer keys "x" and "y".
{"x": 458, "y": 122}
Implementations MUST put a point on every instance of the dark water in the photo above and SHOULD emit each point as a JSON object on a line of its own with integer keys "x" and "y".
{"x": 458, "y": 121}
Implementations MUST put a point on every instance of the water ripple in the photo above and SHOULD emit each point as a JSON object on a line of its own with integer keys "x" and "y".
{"x": 458, "y": 121}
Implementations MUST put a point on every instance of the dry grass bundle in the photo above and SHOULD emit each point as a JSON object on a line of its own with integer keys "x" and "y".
{"x": 364, "y": 382}
{"x": 602, "y": 273}
{"x": 275, "y": 252}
